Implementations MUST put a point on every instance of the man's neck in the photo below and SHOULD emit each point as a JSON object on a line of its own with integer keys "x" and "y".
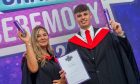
{"x": 85, "y": 28}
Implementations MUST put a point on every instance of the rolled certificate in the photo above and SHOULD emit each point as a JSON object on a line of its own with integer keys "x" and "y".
{"x": 19, "y": 27}
{"x": 107, "y": 18}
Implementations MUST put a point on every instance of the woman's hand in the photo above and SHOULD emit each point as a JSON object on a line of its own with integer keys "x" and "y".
{"x": 62, "y": 80}
{"x": 117, "y": 28}
{"x": 25, "y": 39}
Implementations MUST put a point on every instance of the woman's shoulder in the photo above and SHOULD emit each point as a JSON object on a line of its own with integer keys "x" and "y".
{"x": 24, "y": 56}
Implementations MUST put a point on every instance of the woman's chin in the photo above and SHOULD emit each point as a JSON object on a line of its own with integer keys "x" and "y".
{"x": 43, "y": 45}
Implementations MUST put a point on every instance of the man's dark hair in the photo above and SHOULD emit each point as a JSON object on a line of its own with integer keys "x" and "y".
{"x": 81, "y": 8}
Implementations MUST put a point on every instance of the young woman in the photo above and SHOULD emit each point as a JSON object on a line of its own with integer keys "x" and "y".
{"x": 39, "y": 65}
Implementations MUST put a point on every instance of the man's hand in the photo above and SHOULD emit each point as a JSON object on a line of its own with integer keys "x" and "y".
{"x": 117, "y": 28}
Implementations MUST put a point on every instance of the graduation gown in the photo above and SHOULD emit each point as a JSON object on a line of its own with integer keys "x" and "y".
{"x": 45, "y": 74}
{"x": 108, "y": 60}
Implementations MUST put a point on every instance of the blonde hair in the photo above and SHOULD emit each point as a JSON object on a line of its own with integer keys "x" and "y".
{"x": 36, "y": 47}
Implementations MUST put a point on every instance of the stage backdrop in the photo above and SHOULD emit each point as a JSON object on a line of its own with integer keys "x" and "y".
{"x": 57, "y": 17}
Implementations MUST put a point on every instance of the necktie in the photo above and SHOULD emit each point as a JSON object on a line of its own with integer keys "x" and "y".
{"x": 88, "y": 37}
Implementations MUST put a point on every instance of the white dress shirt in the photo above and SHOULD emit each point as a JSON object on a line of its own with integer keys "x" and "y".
{"x": 82, "y": 31}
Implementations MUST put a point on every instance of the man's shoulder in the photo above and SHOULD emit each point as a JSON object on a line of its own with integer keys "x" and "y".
{"x": 98, "y": 28}
{"x": 74, "y": 36}
{"x": 98, "y": 32}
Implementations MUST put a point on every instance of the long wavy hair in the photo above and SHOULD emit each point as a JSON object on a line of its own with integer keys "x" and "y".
{"x": 37, "y": 48}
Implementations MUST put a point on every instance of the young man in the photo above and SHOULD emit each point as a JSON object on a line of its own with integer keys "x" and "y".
{"x": 108, "y": 57}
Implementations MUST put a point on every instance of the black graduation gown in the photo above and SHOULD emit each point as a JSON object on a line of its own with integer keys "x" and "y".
{"x": 109, "y": 60}
{"x": 45, "y": 74}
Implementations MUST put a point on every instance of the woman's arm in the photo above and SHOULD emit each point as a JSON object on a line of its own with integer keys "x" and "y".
{"x": 31, "y": 57}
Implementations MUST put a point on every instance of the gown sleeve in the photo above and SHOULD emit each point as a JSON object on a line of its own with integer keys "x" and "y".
{"x": 124, "y": 46}
{"x": 27, "y": 76}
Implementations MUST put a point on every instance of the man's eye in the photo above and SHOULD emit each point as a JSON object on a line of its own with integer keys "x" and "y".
{"x": 85, "y": 14}
{"x": 79, "y": 15}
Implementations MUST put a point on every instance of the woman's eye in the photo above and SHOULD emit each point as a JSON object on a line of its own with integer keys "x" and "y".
{"x": 45, "y": 34}
{"x": 38, "y": 36}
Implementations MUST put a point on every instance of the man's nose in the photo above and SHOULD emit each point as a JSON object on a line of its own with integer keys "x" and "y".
{"x": 83, "y": 17}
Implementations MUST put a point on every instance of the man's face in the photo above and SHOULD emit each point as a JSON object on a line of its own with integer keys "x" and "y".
{"x": 83, "y": 19}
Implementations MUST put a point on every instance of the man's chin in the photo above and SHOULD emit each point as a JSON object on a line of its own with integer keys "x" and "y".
{"x": 85, "y": 26}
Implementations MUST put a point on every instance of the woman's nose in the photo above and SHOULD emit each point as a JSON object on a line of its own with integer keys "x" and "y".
{"x": 42, "y": 37}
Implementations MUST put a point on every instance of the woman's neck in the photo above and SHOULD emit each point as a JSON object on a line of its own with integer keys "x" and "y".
{"x": 45, "y": 52}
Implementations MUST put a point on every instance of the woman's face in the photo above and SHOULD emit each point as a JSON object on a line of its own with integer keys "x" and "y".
{"x": 42, "y": 38}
